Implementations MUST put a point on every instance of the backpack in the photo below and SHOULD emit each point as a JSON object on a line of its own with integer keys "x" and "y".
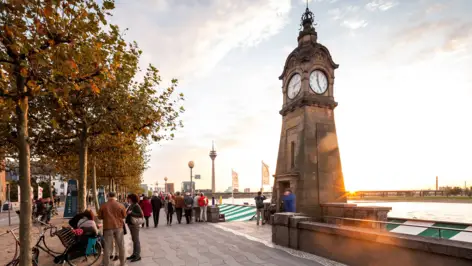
{"x": 259, "y": 202}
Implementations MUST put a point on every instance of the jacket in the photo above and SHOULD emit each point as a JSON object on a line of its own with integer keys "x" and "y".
{"x": 179, "y": 202}
{"x": 156, "y": 203}
{"x": 146, "y": 207}
{"x": 112, "y": 213}
{"x": 188, "y": 202}
{"x": 289, "y": 203}
{"x": 203, "y": 201}
{"x": 195, "y": 201}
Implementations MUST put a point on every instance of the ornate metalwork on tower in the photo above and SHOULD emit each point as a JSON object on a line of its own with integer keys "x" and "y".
{"x": 213, "y": 156}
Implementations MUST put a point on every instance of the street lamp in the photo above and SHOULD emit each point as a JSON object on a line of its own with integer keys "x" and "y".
{"x": 191, "y": 164}
{"x": 165, "y": 184}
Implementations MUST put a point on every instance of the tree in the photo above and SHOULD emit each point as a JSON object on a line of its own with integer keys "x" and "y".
{"x": 39, "y": 44}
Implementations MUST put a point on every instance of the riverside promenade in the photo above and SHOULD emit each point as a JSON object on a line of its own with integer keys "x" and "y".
{"x": 205, "y": 244}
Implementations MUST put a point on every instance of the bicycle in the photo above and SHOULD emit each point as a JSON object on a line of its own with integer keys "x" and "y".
{"x": 67, "y": 239}
{"x": 36, "y": 247}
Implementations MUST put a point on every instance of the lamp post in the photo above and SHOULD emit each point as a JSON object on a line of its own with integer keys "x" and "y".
{"x": 165, "y": 184}
{"x": 191, "y": 164}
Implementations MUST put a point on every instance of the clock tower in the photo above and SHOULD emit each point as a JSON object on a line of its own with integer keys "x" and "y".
{"x": 309, "y": 162}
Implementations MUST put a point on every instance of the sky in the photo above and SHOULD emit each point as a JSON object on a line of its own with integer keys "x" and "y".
{"x": 404, "y": 86}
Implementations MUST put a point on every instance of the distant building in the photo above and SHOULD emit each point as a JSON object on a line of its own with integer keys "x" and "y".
{"x": 60, "y": 185}
{"x": 170, "y": 188}
{"x": 236, "y": 190}
{"x": 204, "y": 191}
{"x": 247, "y": 190}
{"x": 187, "y": 186}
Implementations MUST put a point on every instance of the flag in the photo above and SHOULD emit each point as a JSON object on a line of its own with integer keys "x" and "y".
{"x": 235, "y": 180}
{"x": 265, "y": 174}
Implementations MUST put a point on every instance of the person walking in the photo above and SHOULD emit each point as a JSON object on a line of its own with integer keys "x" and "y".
{"x": 170, "y": 205}
{"x": 145, "y": 205}
{"x": 289, "y": 201}
{"x": 112, "y": 213}
{"x": 260, "y": 207}
{"x": 196, "y": 208}
{"x": 203, "y": 203}
{"x": 134, "y": 219}
{"x": 156, "y": 204}
{"x": 179, "y": 206}
{"x": 188, "y": 206}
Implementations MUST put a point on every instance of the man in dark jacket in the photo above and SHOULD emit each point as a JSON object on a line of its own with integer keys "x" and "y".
{"x": 156, "y": 203}
{"x": 188, "y": 206}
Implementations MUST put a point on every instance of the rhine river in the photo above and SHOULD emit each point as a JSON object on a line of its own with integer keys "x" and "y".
{"x": 450, "y": 212}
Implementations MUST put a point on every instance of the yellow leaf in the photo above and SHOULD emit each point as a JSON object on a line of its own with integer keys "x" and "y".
{"x": 54, "y": 123}
{"x": 31, "y": 83}
{"x": 24, "y": 72}
{"x": 48, "y": 10}
{"x": 51, "y": 42}
{"x": 76, "y": 87}
{"x": 95, "y": 89}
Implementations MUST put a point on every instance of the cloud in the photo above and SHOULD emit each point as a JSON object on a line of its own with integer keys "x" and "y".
{"x": 380, "y": 5}
{"x": 428, "y": 39}
{"x": 354, "y": 24}
{"x": 192, "y": 37}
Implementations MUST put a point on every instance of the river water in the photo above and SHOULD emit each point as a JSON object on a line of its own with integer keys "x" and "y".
{"x": 450, "y": 212}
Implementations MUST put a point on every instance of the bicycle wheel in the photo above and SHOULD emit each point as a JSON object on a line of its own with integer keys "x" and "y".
{"x": 85, "y": 260}
{"x": 35, "y": 257}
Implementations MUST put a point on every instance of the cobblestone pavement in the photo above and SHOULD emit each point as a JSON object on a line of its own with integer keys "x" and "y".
{"x": 210, "y": 244}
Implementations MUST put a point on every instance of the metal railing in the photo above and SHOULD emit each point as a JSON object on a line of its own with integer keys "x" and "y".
{"x": 440, "y": 229}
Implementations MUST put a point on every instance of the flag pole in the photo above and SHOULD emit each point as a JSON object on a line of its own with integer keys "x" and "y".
{"x": 262, "y": 176}
{"x": 232, "y": 185}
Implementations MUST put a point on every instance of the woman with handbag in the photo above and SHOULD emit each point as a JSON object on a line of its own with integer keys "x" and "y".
{"x": 134, "y": 219}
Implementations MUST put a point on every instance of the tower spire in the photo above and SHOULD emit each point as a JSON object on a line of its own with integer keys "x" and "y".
{"x": 307, "y": 23}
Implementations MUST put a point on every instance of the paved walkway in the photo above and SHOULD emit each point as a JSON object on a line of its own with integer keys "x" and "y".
{"x": 216, "y": 244}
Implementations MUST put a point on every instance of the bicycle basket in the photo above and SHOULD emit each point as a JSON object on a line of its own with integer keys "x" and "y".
{"x": 67, "y": 236}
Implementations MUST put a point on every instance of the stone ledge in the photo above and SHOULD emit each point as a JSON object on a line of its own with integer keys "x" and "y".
{"x": 447, "y": 247}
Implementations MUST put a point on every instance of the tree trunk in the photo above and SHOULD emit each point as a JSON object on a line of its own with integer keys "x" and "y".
{"x": 94, "y": 187}
{"x": 51, "y": 195}
{"x": 25, "y": 181}
{"x": 83, "y": 152}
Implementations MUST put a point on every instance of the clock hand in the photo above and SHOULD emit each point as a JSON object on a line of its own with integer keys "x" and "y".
{"x": 318, "y": 81}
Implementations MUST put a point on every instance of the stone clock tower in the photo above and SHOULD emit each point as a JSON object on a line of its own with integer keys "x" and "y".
{"x": 308, "y": 162}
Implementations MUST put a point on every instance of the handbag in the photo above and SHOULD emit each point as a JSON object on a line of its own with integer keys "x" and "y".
{"x": 136, "y": 220}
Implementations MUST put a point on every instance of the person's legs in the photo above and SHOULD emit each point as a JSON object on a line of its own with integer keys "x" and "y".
{"x": 258, "y": 215}
{"x": 187, "y": 215}
{"x": 201, "y": 214}
{"x": 171, "y": 214}
{"x": 120, "y": 245}
{"x": 135, "y": 237}
{"x": 147, "y": 221}
{"x": 179, "y": 215}
{"x": 262, "y": 216}
{"x": 168, "y": 217}
{"x": 107, "y": 249}
{"x": 154, "y": 217}
{"x": 205, "y": 213}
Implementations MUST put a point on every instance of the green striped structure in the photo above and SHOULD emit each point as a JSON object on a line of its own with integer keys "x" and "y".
{"x": 237, "y": 212}
{"x": 404, "y": 227}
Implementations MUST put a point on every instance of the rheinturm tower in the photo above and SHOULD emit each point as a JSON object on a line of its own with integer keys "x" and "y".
{"x": 308, "y": 161}
{"x": 213, "y": 157}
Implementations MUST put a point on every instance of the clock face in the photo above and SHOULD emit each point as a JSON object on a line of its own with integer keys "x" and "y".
{"x": 318, "y": 82}
{"x": 294, "y": 86}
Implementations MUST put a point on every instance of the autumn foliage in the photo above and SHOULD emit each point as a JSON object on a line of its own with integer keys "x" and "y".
{"x": 70, "y": 97}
